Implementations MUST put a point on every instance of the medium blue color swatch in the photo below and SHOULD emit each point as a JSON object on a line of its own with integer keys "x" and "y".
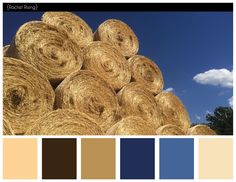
{"x": 176, "y": 158}
{"x": 137, "y": 158}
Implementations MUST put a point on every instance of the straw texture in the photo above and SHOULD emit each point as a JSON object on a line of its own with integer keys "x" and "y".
{"x": 51, "y": 51}
{"x": 27, "y": 94}
{"x": 201, "y": 130}
{"x": 108, "y": 63}
{"x": 60, "y": 78}
{"x": 64, "y": 122}
{"x": 76, "y": 28}
{"x": 86, "y": 92}
{"x": 7, "y": 129}
{"x": 119, "y": 35}
{"x": 147, "y": 73}
{"x": 172, "y": 110}
{"x": 169, "y": 129}
{"x": 132, "y": 125}
{"x": 135, "y": 100}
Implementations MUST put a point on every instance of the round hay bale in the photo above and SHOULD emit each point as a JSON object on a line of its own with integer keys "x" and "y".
{"x": 135, "y": 100}
{"x": 201, "y": 130}
{"x": 147, "y": 73}
{"x": 76, "y": 28}
{"x": 7, "y": 129}
{"x": 119, "y": 35}
{"x": 86, "y": 92}
{"x": 172, "y": 110}
{"x": 51, "y": 51}
{"x": 169, "y": 129}
{"x": 64, "y": 122}
{"x": 108, "y": 63}
{"x": 27, "y": 94}
{"x": 132, "y": 125}
{"x": 5, "y": 48}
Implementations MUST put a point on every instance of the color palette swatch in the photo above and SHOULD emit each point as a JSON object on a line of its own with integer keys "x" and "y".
{"x": 20, "y": 158}
{"x": 176, "y": 158}
{"x": 98, "y": 159}
{"x": 133, "y": 158}
{"x": 215, "y": 158}
{"x": 59, "y": 158}
{"x": 137, "y": 158}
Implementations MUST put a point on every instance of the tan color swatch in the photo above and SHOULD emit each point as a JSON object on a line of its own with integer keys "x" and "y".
{"x": 216, "y": 158}
{"x": 98, "y": 158}
{"x": 19, "y": 158}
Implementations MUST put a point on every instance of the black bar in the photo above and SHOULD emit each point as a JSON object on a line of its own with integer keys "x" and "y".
{"x": 16, "y": 7}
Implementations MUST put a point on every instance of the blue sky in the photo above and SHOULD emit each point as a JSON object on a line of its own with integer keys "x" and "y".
{"x": 194, "y": 50}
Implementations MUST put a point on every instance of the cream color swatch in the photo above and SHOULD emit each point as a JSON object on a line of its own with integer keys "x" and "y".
{"x": 19, "y": 158}
{"x": 216, "y": 158}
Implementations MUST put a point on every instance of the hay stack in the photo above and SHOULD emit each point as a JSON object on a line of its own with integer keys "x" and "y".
{"x": 169, "y": 129}
{"x": 51, "y": 51}
{"x": 132, "y": 125}
{"x": 64, "y": 122}
{"x": 172, "y": 110}
{"x": 7, "y": 129}
{"x": 201, "y": 130}
{"x": 147, "y": 73}
{"x": 119, "y": 35}
{"x": 86, "y": 92}
{"x": 108, "y": 63}
{"x": 135, "y": 100}
{"x": 54, "y": 50}
{"x": 5, "y": 48}
{"x": 27, "y": 94}
{"x": 76, "y": 28}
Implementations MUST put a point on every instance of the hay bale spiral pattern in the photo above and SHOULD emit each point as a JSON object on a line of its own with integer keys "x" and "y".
{"x": 119, "y": 35}
{"x": 135, "y": 100}
{"x": 146, "y": 72}
{"x": 172, "y": 110}
{"x": 132, "y": 125}
{"x": 101, "y": 85}
{"x": 169, "y": 129}
{"x": 27, "y": 94}
{"x": 108, "y": 63}
{"x": 86, "y": 92}
{"x": 51, "y": 51}
{"x": 76, "y": 28}
{"x": 64, "y": 122}
{"x": 201, "y": 130}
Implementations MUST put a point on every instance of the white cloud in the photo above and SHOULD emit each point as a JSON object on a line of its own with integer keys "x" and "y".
{"x": 217, "y": 77}
{"x": 208, "y": 112}
{"x": 169, "y": 89}
{"x": 230, "y": 101}
{"x": 197, "y": 117}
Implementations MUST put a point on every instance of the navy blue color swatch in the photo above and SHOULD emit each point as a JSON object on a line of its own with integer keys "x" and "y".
{"x": 176, "y": 158}
{"x": 137, "y": 158}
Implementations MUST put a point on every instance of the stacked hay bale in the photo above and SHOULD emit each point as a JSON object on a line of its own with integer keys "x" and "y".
{"x": 64, "y": 122}
{"x": 201, "y": 130}
{"x": 27, "y": 94}
{"x": 61, "y": 79}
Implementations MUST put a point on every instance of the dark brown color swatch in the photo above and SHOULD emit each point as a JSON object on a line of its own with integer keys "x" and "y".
{"x": 98, "y": 159}
{"x": 59, "y": 158}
